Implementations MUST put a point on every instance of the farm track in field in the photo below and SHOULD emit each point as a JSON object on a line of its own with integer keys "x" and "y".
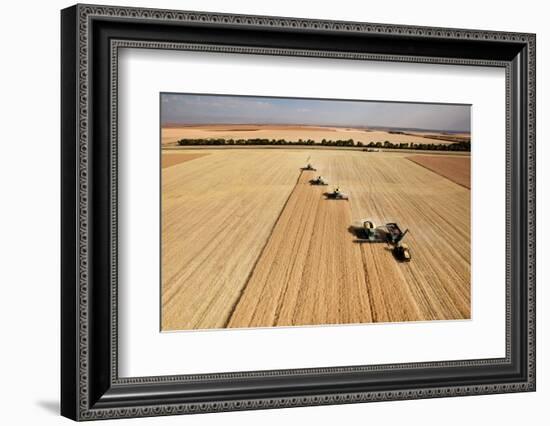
{"x": 300, "y": 265}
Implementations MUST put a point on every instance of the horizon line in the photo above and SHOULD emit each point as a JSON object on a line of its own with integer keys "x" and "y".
{"x": 339, "y": 126}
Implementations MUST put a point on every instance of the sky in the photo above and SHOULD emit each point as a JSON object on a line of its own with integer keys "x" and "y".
{"x": 228, "y": 109}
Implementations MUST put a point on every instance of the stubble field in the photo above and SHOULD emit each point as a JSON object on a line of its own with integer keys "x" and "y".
{"x": 455, "y": 168}
{"x": 248, "y": 242}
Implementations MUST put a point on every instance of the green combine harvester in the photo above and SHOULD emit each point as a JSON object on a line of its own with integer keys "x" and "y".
{"x": 390, "y": 233}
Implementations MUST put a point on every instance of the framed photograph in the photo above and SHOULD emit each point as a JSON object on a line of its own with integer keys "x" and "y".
{"x": 263, "y": 212}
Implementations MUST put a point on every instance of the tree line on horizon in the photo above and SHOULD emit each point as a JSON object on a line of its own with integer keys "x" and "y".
{"x": 455, "y": 146}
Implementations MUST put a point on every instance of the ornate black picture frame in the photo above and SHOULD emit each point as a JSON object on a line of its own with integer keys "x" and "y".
{"x": 91, "y": 37}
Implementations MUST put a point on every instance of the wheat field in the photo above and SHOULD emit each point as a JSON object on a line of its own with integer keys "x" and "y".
{"x": 217, "y": 213}
{"x": 248, "y": 242}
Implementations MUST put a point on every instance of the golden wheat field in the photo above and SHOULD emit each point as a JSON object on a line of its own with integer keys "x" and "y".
{"x": 248, "y": 242}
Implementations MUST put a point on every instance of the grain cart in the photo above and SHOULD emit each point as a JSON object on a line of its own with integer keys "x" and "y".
{"x": 390, "y": 233}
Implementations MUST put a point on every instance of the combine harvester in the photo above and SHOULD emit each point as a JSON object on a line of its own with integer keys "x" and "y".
{"x": 390, "y": 233}
{"x": 337, "y": 195}
{"x": 309, "y": 167}
{"x": 319, "y": 180}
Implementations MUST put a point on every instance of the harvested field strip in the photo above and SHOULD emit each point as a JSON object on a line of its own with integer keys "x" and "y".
{"x": 454, "y": 168}
{"x": 237, "y": 301}
{"x": 169, "y": 160}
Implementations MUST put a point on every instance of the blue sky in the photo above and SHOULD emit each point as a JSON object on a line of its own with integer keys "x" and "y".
{"x": 227, "y": 109}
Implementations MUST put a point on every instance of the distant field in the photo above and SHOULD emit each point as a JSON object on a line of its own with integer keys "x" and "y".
{"x": 247, "y": 242}
{"x": 171, "y": 159}
{"x": 454, "y": 168}
{"x": 170, "y": 135}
